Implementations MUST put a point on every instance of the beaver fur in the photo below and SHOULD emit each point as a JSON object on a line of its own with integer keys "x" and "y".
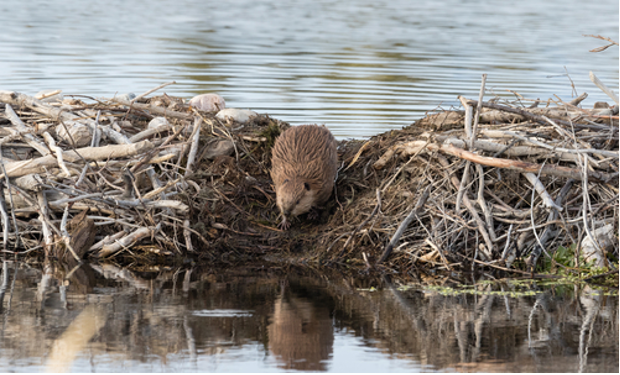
{"x": 304, "y": 162}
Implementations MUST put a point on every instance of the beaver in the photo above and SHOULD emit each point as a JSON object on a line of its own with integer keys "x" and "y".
{"x": 304, "y": 162}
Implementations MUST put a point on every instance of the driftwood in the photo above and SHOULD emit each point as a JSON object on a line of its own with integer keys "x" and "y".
{"x": 38, "y": 165}
{"x": 401, "y": 229}
{"x": 480, "y": 187}
{"x": 507, "y": 215}
{"x": 410, "y": 148}
{"x": 494, "y": 113}
{"x": 56, "y": 178}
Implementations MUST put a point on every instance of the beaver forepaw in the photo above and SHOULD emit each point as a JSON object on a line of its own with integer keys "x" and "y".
{"x": 285, "y": 224}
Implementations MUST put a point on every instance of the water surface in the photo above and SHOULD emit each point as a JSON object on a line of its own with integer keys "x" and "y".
{"x": 101, "y": 318}
{"x": 360, "y": 67}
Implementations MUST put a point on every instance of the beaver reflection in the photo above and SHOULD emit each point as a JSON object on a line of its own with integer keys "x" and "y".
{"x": 300, "y": 334}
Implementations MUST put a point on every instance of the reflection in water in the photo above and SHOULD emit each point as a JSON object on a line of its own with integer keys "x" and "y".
{"x": 75, "y": 338}
{"x": 301, "y": 333}
{"x": 102, "y": 318}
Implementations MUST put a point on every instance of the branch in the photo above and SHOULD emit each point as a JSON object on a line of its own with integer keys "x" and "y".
{"x": 151, "y": 91}
{"x": 521, "y": 166}
{"x": 531, "y": 116}
{"x": 405, "y": 223}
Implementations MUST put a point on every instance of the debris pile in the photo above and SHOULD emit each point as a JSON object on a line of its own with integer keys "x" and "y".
{"x": 500, "y": 184}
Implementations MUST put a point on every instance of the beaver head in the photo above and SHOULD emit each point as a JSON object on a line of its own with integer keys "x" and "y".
{"x": 295, "y": 197}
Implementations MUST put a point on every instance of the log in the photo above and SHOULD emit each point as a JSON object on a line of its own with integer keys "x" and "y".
{"x": 124, "y": 242}
{"x": 38, "y": 165}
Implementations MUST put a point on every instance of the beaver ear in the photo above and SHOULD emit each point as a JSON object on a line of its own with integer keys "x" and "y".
{"x": 307, "y": 186}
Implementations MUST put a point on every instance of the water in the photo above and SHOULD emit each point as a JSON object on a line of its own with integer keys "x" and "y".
{"x": 359, "y": 67}
{"x": 101, "y": 318}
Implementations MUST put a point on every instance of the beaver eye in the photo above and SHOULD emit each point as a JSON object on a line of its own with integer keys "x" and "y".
{"x": 306, "y": 186}
{"x": 285, "y": 181}
{"x": 297, "y": 202}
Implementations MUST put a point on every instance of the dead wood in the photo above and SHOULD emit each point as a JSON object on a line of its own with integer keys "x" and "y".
{"x": 197, "y": 186}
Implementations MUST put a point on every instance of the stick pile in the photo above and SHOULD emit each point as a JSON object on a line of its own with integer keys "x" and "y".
{"x": 119, "y": 178}
{"x": 498, "y": 184}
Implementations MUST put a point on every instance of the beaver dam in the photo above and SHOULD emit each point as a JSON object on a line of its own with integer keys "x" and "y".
{"x": 503, "y": 185}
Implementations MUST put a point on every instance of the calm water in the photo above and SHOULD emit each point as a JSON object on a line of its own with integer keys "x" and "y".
{"x": 101, "y": 318}
{"x": 361, "y": 67}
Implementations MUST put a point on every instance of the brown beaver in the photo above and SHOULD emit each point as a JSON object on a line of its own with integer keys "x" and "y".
{"x": 304, "y": 162}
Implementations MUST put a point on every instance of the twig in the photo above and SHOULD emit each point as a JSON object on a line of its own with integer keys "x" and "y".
{"x": 150, "y": 132}
{"x": 542, "y": 192}
{"x": 149, "y": 155}
{"x": 470, "y": 138}
{"x": 603, "y": 48}
{"x": 58, "y": 151}
{"x": 94, "y": 142}
{"x": 468, "y": 117}
{"x": 47, "y": 233}
{"x": 601, "y": 37}
{"x": 405, "y": 223}
{"x": 603, "y": 88}
{"x": 470, "y": 207}
{"x": 585, "y": 201}
{"x": 195, "y": 137}
{"x": 461, "y": 190}
{"x": 605, "y": 204}
{"x": 8, "y": 186}
{"x": 65, "y": 235}
{"x": 151, "y": 194}
{"x": 483, "y": 204}
{"x": 5, "y": 218}
{"x": 578, "y": 99}
{"x": 507, "y": 246}
{"x": 530, "y": 275}
{"x": 532, "y": 262}
{"x": 151, "y": 91}
{"x": 601, "y": 275}
{"x": 474, "y": 132}
{"x": 188, "y": 236}
{"x": 47, "y": 94}
{"x": 436, "y": 250}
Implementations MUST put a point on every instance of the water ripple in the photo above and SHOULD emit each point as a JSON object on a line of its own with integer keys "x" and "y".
{"x": 361, "y": 69}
